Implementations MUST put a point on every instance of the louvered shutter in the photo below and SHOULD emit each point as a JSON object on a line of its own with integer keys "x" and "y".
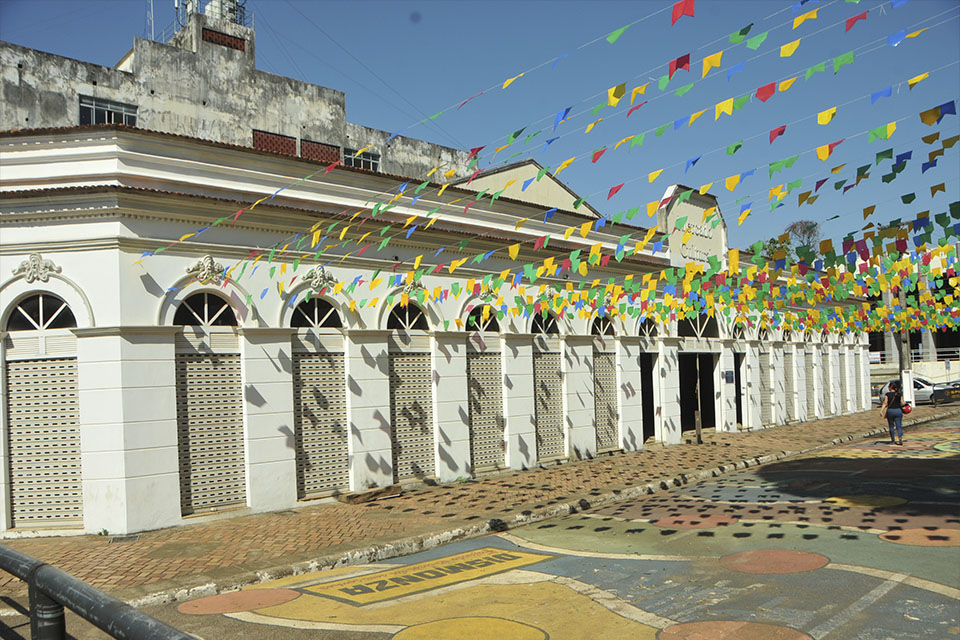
{"x": 605, "y": 399}
{"x": 43, "y": 443}
{"x": 789, "y": 385}
{"x": 547, "y": 398}
{"x": 766, "y": 405}
{"x": 485, "y": 397}
{"x": 210, "y": 432}
{"x": 811, "y": 388}
{"x": 320, "y": 412}
{"x": 411, "y": 408}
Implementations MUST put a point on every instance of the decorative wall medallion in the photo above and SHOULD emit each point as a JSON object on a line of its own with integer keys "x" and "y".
{"x": 412, "y": 288}
{"x": 318, "y": 278}
{"x": 207, "y": 270}
{"x": 36, "y": 267}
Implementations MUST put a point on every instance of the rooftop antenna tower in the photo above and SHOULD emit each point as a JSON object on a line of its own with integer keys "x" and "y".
{"x": 148, "y": 29}
{"x": 183, "y": 10}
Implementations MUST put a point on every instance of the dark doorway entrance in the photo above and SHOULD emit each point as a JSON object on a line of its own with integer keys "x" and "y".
{"x": 738, "y": 392}
{"x": 647, "y": 361}
{"x": 689, "y": 366}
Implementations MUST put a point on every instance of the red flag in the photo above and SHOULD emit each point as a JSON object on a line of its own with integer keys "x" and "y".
{"x": 682, "y": 8}
{"x": 852, "y": 21}
{"x": 474, "y": 175}
{"x": 767, "y": 90}
{"x": 632, "y": 109}
{"x": 598, "y": 153}
{"x": 614, "y": 190}
{"x": 776, "y": 133}
{"x": 474, "y": 152}
{"x": 331, "y": 167}
{"x": 683, "y": 62}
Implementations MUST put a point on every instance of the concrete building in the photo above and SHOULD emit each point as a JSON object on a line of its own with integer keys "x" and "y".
{"x": 141, "y": 393}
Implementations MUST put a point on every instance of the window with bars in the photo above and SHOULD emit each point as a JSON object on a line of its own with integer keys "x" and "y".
{"x": 100, "y": 111}
{"x": 366, "y": 160}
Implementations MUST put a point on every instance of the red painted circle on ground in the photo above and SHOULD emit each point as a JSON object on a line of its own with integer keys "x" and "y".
{"x": 693, "y": 521}
{"x": 238, "y": 601}
{"x": 773, "y": 561}
{"x": 931, "y": 537}
{"x": 729, "y": 630}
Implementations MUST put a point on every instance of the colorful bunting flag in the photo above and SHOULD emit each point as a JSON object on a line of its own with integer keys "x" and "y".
{"x": 733, "y": 148}
{"x": 914, "y": 81}
{"x": 727, "y": 107}
{"x": 824, "y": 152}
{"x": 694, "y": 116}
{"x": 815, "y": 69}
{"x": 883, "y": 93}
{"x": 809, "y": 15}
{"x": 614, "y": 94}
{"x": 824, "y": 117}
{"x": 734, "y": 69}
{"x": 510, "y": 81}
{"x": 710, "y": 62}
{"x": 883, "y": 132}
{"x": 777, "y": 132}
{"x": 653, "y": 175}
{"x": 852, "y": 21}
{"x": 841, "y": 61}
{"x": 755, "y": 42}
{"x": 786, "y": 84}
{"x": 933, "y": 116}
{"x": 790, "y": 48}
{"x": 682, "y": 8}
{"x": 683, "y": 62}
{"x": 615, "y": 35}
{"x": 737, "y": 36}
{"x": 767, "y": 90}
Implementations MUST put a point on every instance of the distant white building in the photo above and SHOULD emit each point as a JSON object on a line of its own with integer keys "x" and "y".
{"x": 139, "y": 395}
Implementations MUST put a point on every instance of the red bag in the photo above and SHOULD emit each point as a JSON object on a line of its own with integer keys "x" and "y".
{"x": 907, "y": 409}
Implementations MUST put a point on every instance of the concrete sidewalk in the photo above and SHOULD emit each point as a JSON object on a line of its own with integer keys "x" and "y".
{"x": 206, "y": 558}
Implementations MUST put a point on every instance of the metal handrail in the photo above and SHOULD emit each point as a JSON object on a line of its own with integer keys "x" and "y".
{"x": 50, "y": 590}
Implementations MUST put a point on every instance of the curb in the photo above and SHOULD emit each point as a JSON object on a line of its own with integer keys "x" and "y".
{"x": 416, "y": 544}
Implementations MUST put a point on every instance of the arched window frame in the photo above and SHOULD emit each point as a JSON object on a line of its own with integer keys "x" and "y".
{"x": 545, "y": 324}
{"x": 209, "y": 318}
{"x": 52, "y": 313}
{"x": 603, "y": 326}
{"x": 406, "y": 318}
{"x": 316, "y": 313}
{"x": 475, "y": 321}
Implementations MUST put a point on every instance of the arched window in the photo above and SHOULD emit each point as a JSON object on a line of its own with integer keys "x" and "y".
{"x": 545, "y": 323}
{"x": 316, "y": 313}
{"x": 698, "y": 326}
{"x": 787, "y": 336}
{"x": 648, "y": 328}
{"x": 603, "y": 327}
{"x": 205, "y": 310}
{"x": 475, "y": 321}
{"x": 408, "y": 318}
{"x": 41, "y": 312}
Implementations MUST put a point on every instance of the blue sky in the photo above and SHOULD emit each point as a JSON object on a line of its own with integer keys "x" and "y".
{"x": 399, "y": 62}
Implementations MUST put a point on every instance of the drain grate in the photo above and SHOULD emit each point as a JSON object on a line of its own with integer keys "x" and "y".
{"x": 132, "y": 538}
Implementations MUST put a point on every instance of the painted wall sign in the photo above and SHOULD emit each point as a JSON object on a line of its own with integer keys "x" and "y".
{"x": 424, "y": 576}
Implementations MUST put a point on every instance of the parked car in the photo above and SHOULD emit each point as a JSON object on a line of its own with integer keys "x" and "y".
{"x": 922, "y": 390}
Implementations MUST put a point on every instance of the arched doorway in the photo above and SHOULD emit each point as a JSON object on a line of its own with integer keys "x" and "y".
{"x": 320, "y": 400}
{"x": 209, "y": 406}
{"x": 43, "y": 415}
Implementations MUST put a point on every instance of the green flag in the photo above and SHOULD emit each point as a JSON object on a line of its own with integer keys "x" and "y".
{"x": 737, "y": 36}
{"x": 842, "y": 60}
{"x": 733, "y": 148}
{"x": 815, "y": 68}
{"x": 755, "y": 42}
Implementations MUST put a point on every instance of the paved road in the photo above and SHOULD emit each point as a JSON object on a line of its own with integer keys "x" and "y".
{"x": 858, "y": 541}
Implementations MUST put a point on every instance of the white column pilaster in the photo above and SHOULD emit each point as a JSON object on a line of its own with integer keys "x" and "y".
{"x": 367, "y": 368}
{"x": 519, "y": 410}
{"x": 451, "y": 413}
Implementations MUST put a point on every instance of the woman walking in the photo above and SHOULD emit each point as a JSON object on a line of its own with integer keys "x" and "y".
{"x": 892, "y": 410}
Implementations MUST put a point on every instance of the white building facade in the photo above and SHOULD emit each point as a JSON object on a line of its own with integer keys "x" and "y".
{"x": 147, "y": 392}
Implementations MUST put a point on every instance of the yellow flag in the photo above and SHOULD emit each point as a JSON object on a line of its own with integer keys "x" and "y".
{"x": 564, "y": 165}
{"x": 710, "y": 62}
{"x": 585, "y": 229}
{"x": 513, "y": 250}
{"x": 786, "y": 84}
{"x": 705, "y": 188}
{"x": 652, "y": 208}
{"x": 838, "y": 169}
{"x": 809, "y": 15}
{"x": 776, "y": 191}
{"x": 743, "y": 216}
{"x": 823, "y": 152}
{"x": 449, "y": 174}
{"x": 732, "y": 182}
{"x": 416, "y": 261}
{"x": 364, "y": 150}
{"x": 788, "y": 49}
{"x": 733, "y": 258}
{"x": 891, "y": 128}
{"x": 916, "y": 33}
{"x": 707, "y": 213}
{"x": 824, "y": 117}
{"x": 442, "y": 189}
{"x": 642, "y": 89}
{"x": 686, "y": 237}
{"x": 520, "y": 223}
{"x": 593, "y": 124}
{"x": 614, "y": 94}
{"x": 430, "y": 224}
{"x": 568, "y": 232}
{"x": 432, "y": 171}
{"x": 653, "y": 175}
{"x": 694, "y": 116}
{"x": 510, "y": 81}
{"x": 917, "y": 79}
{"x": 724, "y": 107}
{"x": 627, "y": 139}
{"x": 185, "y": 236}
{"x": 501, "y": 148}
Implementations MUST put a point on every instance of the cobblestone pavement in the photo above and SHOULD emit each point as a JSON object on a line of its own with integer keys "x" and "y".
{"x": 212, "y": 556}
